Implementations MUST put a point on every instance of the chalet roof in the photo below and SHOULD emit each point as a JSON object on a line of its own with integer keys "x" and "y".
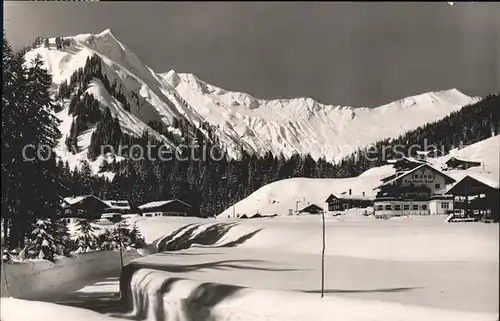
{"x": 121, "y": 204}
{"x": 160, "y": 203}
{"x": 430, "y": 151}
{"x": 311, "y": 206}
{"x": 476, "y": 182}
{"x": 74, "y": 200}
{"x": 409, "y": 159}
{"x": 350, "y": 197}
{"x": 78, "y": 199}
{"x": 461, "y": 160}
{"x": 447, "y": 178}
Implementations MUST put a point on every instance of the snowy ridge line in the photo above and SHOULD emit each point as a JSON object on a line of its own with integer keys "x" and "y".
{"x": 149, "y": 291}
{"x": 299, "y": 125}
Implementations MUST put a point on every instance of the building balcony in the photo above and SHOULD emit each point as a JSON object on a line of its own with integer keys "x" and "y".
{"x": 410, "y": 193}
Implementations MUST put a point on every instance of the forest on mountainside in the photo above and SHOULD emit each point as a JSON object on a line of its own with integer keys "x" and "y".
{"x": 211, "y": 186}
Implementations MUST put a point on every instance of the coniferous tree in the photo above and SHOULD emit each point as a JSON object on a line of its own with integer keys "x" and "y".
{"x": 27, "y": 121}
{"x": 42, "y": 243}
{"x": 136, "y": 238}
{"x": 86, "y": 239}
{"x": 62, "y": 238}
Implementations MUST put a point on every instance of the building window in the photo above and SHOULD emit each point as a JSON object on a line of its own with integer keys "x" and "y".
{"x": 424, "y": 207}
{"x": 415, "y": 207}
{"x": 397, "y": 207}
{"x": 388, "y": 208}
{"x": 445, "y": 205}
{"x": 406, "y": 207}
{"x": 380, "y": 207}
{"x": 438, "y": 185}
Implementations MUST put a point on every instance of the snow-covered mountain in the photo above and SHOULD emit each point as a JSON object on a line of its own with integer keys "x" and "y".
{"x": 300, "y": 125}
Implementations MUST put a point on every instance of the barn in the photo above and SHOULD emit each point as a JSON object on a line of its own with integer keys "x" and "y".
{"x": 166, "y": 208}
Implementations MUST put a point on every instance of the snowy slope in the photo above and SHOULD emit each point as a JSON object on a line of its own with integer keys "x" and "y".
{"x": 284, "y": 125}
{"x": 296, "y": 193}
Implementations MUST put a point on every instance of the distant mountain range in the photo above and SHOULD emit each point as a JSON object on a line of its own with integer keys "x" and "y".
{"x": 239, "y": 121}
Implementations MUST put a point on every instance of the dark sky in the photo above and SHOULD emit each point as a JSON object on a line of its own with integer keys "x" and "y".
{"x": 358, "y": 54}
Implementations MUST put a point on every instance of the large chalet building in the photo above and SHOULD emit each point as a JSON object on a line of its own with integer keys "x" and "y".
{"x": 416, "y": 189}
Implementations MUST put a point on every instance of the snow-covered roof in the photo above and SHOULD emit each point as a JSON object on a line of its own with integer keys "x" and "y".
{"x": 74, "y": 200}
{"x": 122, "y": 204}
{"x": 160, "y": 203}
{"x": 410, "y": 159}
{"x": 311, "y": 206}
{"x": 487, "y": 179}
{"x": 450, "y": 179}
{"x": 356, "y": 197}
{"x": 78, "y": 199}
{"x": 460, "y": 159}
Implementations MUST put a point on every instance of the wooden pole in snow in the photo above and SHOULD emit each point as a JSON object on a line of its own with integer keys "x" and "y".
{"x": 120, "y": 240}
{"x": 323, "y": 257}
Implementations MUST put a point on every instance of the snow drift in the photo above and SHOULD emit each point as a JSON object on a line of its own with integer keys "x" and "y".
{"x": 28, "y": 279}
{"x": 156, "y": 293}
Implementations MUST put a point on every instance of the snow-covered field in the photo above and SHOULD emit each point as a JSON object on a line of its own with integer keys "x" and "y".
{"x": 426, "y": 264}
{"x": 36, "y": 278}
{"x": 417, "y": 268}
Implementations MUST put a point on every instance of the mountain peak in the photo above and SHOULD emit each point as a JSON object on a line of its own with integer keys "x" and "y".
{"x": 107, "y": 32}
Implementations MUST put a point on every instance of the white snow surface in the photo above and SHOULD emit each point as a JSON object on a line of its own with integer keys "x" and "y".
{"x": 35, "y": 278}
{"x": 300, "y": 125}
{"x": 374, "y": 270}
{"x": 23, "y": 310}
{"x": 406, "y": 269}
